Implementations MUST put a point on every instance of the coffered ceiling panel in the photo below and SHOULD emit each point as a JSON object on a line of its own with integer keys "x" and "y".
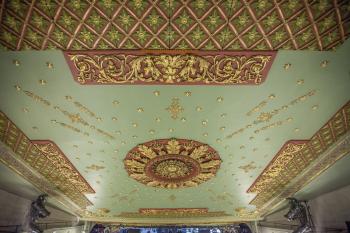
{"x": 175, "y": 24}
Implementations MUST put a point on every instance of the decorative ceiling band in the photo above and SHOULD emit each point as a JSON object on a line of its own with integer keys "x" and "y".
{"x": 45, "y": 158}
{"x": 173, "y": 213}
{"x": 296, "y": 156}
{"x": 169, "y": 67}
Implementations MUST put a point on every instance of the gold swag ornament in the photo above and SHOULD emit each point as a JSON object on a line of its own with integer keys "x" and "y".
{"x": 172, "y": 163}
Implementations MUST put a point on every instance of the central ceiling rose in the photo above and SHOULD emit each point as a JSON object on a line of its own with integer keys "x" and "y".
{"x": 172, "y": 163}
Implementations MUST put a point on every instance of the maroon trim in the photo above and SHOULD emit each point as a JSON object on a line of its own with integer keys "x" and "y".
{"x": 248, "y": 54}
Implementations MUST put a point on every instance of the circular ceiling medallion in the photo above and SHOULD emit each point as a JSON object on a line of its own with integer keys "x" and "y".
{"x": 172, "y": 163}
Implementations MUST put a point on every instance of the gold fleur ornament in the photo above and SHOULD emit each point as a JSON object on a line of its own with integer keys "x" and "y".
{"x": 175, "y": 109}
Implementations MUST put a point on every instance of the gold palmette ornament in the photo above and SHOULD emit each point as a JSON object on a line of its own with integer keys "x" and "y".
{"x": 172, "y": 163}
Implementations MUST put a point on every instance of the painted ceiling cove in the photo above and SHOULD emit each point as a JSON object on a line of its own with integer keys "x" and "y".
{"x": 40, "y": 96}
{"x": 174, "y": 24}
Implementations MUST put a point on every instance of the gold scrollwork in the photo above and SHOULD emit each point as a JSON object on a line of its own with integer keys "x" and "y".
{"x": 169, "y": 69}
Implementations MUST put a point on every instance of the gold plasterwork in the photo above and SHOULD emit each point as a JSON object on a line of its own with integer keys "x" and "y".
{"x": 266, "y": 117}
{"x": 296, "y": 156}
{"x": 172, "y": 163}
{"x": 175, "y": 109}
{"x": 169, "y": 69}
{"x": 47, "y": 160}
{"x": 173, "y": 213}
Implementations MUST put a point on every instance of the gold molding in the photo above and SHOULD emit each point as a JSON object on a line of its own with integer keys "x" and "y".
{"x": 172, "y": 213}
{"x": 295, "y": 157}
{"x": 46, "y": 159}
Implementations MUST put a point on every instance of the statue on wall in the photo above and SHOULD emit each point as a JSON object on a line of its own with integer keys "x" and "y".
{"x": 37, "y": 211}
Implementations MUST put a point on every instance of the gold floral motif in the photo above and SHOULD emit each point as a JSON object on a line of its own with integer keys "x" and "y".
{"x": 173, "y": 213}
{"x": 175, "y": 108}
{"x": 172, "y": 163}
{"x": 296, "y": 156}
{"x": 169, "y": 69}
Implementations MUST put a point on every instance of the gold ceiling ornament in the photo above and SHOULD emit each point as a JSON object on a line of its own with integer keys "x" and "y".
{"x": 259, "y": 106}
{"x": 175, "y": 109}
{"x": 173, "y": 213}
{"x": 16, "y": 62}
{"x": 265, "y": 117}
{"x": 45, "y": 158}
{"x": 172, "y": 163}
{"x": 136, "y": 68}
{"x": 83, "y": 109}
{"x": 33, "y": 96}
{"x": 196, "y": 25}
{"x": 246, "y": 168}
{"x": 95, "y": 167}
{"x": 296, "y": 156}
{"x": 70, "y": 127}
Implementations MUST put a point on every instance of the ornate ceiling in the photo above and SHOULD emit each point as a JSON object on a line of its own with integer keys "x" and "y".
{"x": 174, "y": 24}
{"x": 176, "y": 126}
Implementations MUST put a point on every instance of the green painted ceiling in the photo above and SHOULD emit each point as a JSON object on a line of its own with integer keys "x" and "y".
{"x": 226, "y": 192}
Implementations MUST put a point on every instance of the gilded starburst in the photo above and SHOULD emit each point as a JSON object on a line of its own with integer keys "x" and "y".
{"x": 175, "y": 109}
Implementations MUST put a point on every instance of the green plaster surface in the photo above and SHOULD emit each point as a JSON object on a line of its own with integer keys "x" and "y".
{"x": 114, "y": 189}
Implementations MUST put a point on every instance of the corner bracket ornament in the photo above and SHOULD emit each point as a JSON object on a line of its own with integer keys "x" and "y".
{"x": 169, "y": 68}
{"x": 172, "y": 163}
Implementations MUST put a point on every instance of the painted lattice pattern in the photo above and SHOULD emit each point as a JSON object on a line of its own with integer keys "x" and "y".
{"x": 174, "y": 24}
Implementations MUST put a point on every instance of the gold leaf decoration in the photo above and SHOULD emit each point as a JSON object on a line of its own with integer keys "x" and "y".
{"x": 130, "y": 68}
{"x": 172, "y": 163}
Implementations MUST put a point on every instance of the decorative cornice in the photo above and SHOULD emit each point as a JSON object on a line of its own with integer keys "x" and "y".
{"x": 170, "y": 67}
{"x": 16, "y": 164}
{"x": 297, "y": 157}
{"x": 46, "y": 159}
{"x": 173, "y": 213}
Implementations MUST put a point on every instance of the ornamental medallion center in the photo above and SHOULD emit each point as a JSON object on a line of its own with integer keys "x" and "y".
{"x": 172, "y": 163}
